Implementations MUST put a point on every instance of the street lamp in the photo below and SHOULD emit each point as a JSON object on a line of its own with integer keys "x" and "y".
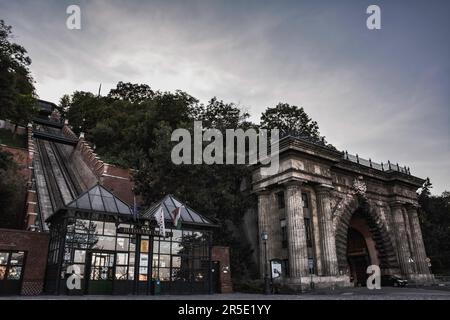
{"x": 264, "y": 238}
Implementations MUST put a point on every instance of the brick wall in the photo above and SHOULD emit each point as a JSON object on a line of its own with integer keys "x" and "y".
{"x": 35, "y": 245}
{"x": 113, "y": 178}
{"x": 222, "y": 254}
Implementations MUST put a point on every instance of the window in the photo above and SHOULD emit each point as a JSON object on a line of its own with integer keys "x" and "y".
{"x": 285, "y": 268}
{"x": 11, "y": 265}
{"x": 280, "y": 199}
{"x": 305, "y": 200}
{"x": 308, "y": 232}
{"x": 284, "y": 237}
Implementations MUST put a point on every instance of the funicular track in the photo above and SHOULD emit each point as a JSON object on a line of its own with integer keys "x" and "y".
{"x": 56, "y": 185}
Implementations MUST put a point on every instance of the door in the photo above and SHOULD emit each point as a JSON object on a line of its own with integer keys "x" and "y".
{"x": 101, "y": 272}
{"x": 215, "y": 274}
{"x": 11, "y": 272}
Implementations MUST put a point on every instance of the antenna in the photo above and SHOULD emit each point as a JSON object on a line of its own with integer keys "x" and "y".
{"x": 99, "y": 90}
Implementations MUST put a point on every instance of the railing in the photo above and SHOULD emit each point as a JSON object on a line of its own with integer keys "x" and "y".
{"x": 378, "y": 166}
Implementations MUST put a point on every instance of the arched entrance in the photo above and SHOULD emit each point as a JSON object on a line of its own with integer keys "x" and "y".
{"x": 361, "y": 249}
{"x": 357, "y": 256}
{"x": 365, "y": 219}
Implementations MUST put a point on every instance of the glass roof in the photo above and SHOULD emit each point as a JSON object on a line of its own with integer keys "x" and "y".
{"x": 169, "y": 204}
{"x": 101, "y": 200}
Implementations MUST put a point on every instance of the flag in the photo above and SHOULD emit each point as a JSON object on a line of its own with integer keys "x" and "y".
{"x": 159, "y": 216}
{"x": 176, "y": 216}
{"x": 135, "y": 208}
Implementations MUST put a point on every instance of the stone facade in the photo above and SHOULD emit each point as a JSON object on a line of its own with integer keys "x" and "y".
{"x": 35, "y": 246}
{"x": 317, "y": 196}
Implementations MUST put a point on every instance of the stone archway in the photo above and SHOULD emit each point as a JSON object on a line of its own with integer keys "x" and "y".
{"x": 385, "y": 253}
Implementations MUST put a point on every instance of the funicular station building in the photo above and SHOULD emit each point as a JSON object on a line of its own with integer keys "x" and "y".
{"x": 82, "y": 237}
{"x": 115, "y": 252}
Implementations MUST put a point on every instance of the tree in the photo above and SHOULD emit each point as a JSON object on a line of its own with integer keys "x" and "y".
{"x": 131, "y": 92}
{"x": 290, "y": 119}
{"x": 12, "y": 191}
{"x": 434, "y": 216}
{"x": 64, "y": 105}
{"x": 17, "y": 96}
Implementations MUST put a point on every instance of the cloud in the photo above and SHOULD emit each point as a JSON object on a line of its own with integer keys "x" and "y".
{"x": 381, "y": 94}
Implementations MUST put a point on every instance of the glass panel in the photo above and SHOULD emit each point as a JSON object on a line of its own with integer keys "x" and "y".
{"x": 133, "y": 241}
{"x": 121, "y": 273}
{"x": 124, "y": 209}
{"x": 2, "y": 272}
{"x": 81, "y": 266}
{"x": 132, "y": 259}
{"x": 155, "y": 261}
{"x": 96, "y": 227}
{"x": 4, "y": 257}
{"x": 67, "y": 255}
{"x": 164, "y": 274}
{"x": 164, "y": 261}
{"x": 131, "y": 273}
{"x": 122, "y": 244}
{"x": 106, "y": 243}
{"x": 164, "y": 247}
{"x": 144, "y": 245}
{"x": 83, "y": 202}
{"x": 95, "y": 191}
{"x": 97, "y": 203}
{"x": 177, "y": 248}
{"x": 154, "y": 273}
{"x": 142, "y": 274}
{"x": 185, "y": 217}
{"x": 155, "y": 246}
{"x": 17, "y": 258}
{"x": 122, "y": 258}
{"x": 176, "y": 262}
{"x": 143, "y": 262}
{"x": 82, "y": 226}
{"x": 110, "y": 204}
{"x": 177, "y": 235}
{"x": 14, "y": 273}
{"x": 195, "y": 216}
{"x": 110, "y": 229}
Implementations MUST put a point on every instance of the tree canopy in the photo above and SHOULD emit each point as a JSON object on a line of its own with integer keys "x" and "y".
{"x": 12, "y": 191}
{"x": 17, "y": 96}
{"x": 290, "y": 119}
{"x": 132, "y": 127}
{"x": 434, "y": 215}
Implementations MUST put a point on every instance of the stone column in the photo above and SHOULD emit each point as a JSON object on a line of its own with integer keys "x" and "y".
{"x": 298, "y": 255}
{"x": 419, "y": 248}
{"x": 401, "y": 239}
{"x": 327, "y": 238}
{"x": 263, "y": 217}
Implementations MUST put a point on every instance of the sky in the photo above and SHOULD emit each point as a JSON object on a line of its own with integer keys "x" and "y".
{"x": 384, "y": 94}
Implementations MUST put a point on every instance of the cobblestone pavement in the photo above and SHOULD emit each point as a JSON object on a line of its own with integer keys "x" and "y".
{"x": 341, "y": 294}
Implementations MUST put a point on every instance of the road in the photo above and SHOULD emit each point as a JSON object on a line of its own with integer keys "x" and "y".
{"x": 340, "y": 294}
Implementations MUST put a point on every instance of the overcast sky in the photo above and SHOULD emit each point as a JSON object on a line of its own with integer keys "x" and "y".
{"x": 383, "y": 94}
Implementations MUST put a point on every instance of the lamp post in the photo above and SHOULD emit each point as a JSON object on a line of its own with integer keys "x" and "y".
{"x": 264, "y": 238}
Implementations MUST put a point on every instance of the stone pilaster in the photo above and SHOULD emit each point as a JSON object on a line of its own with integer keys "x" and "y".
{"x": 298, "y": 255}
{"x": 419, "y": 248}
{"x": 263, "y": 217}
{"x": 401, "y": 239}
{"x": 327, "y": 238}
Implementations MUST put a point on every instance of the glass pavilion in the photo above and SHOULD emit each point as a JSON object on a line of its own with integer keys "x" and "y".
{"x": 113, "y": 251}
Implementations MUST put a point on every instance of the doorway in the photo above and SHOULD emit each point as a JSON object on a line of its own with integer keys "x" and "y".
{"x": 100, "y": 272}
{"x": 358, "y": 257}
